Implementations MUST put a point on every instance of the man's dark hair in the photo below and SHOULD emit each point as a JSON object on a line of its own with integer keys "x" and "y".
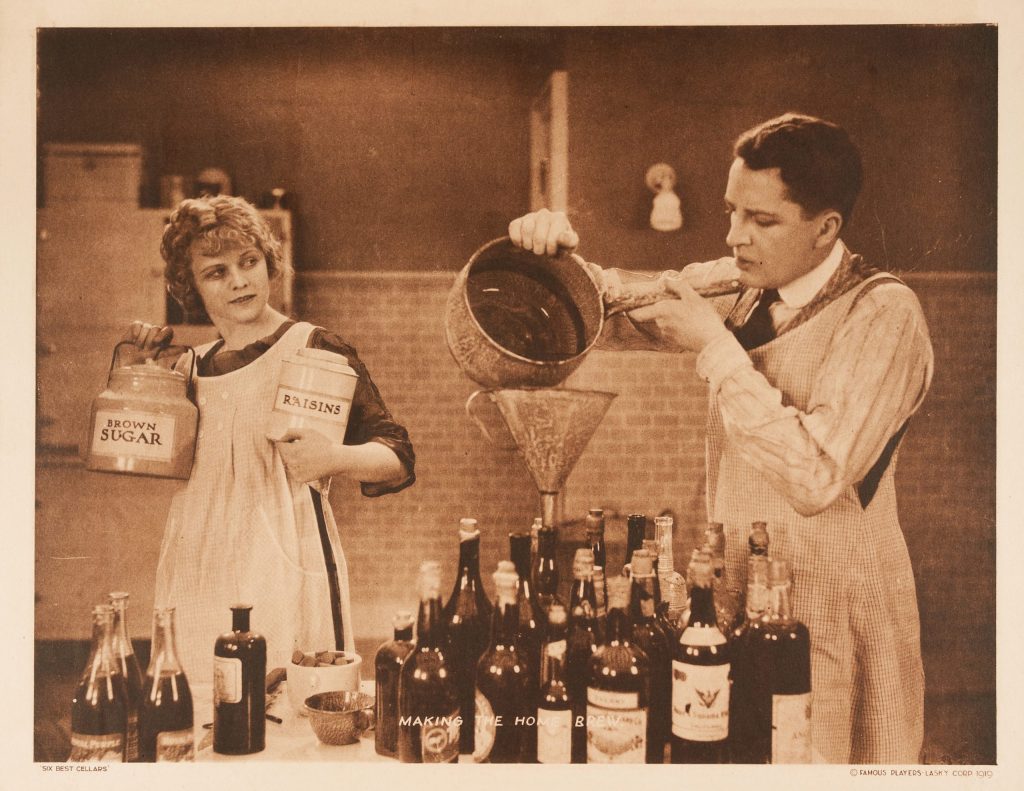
{"x": 818, "y": 162}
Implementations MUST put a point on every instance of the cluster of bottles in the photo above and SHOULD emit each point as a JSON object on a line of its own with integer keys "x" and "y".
{"x": 617, "y": 674}
{"x": 118, "y": 714}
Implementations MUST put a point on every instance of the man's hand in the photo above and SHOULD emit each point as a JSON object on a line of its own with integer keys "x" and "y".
{"x": 688, "y": 323}
{"x": 543, "y": 232}
{"x": 309, "y": 456}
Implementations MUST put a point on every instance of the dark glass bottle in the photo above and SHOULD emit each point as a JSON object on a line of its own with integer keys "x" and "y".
{"x": 618, "y": 689}
{"x": 636, "y": 532}
{"x": 239, "y": 687}
{"x": 583, "y": 640}
{"x": 99, "y": 708}
{"x": 750, "y": 694}
{"x": 530, "y": 633}
{"x": 166, "y": 717}
{"x": 386, "y": 666}
{"x": 467, "y": 616}
{"x": 554, "y": 709}
{"x": 428, "y": 699}
{"x": 545, "y": 570}
{"x": 650, "y": 636}
{"x": 124, "y": 654}
{"x": 595, "y": 538}
{"x": 503, "y": 697}
{"x": 700, "y": 678}
{"x": 727, "y": 599}
{"x": 787, "y": 646}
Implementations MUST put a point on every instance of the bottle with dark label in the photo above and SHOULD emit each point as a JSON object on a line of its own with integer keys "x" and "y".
{"x": 239, "y": 687}
{"x": 727, "y": 605}
{"x": 387, "y": 666}
{"x": 787, "y": 646}
{"x": 700, "y": 678}
{"x": 583, "y": 640}
{"x": 530, "y": 633}
{"x": 467, "y": 616}
{"x": 99, "y": 708}
{"x": 595, "y": 538}
{"x": 428, "y": 699}
{"x": 750, "y": 694}
{"x": 554, "y": 709}
{"x": 124, "y": 654}
{"x": 618, "y": 688}
{"x": 636, "y": 532}
{"x": 503, "y": 696}
{"x": 650, "y": 636}
{"x": 165, "y": 719}
{"x": 545, "y": 571}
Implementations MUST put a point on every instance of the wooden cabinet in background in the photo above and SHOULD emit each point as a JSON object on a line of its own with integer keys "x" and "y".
{"x": 98, "y": 268}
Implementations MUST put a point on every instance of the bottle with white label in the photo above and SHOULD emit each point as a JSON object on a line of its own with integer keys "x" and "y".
{"x": 99, "y": 706}
{"x": 700, "y": 677}
{"x": 239, "y": 687}
{"x": 787, "y": 645}
{"x": 618, "y": 689}
{"x": 165, "y": 717}
{"x": 554, "y": 711}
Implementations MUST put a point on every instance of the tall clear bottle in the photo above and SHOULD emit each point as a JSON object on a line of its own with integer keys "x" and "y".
{"x": 727, "y": 597}
{"x": 673, "y": 586}
{"x": 99, "y": 707}
{"x": 700, "y": 678}
{"x": 583, "y": 640}
{"x": 750, "y": 694}
{"x": 503, "y": 696}
{"x": 530, "y": 634}
{"x": 618, "y": 688}
{"x": 166, "y": 717}
{"x": 650, "y": 636}
{"x": 387, "y": 666}
{"x": 554, "y": 708}
{"x": 124, "y": 653}
{"x": 595, "y": 539}
{"x": 239, "y": 687}
{"x": 467, "y": 616}
{"x": 428, "y": 698}
{"x": 787, "y": 646}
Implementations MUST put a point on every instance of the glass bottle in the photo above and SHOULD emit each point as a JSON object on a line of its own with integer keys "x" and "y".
{"x": 428, "y": 698}
{"x": 124, "y": 654}
{"x": 535, "y": 528}
{"x": 727, "y": 602}
{"x": 750, "y": 694}
{"x": 673, "y": 586}
{"x": 467, "y": 615}
{"x": 788, "y": 653}
{"x": 99, "y": 708}
{"x": 387, "y": 665}
{"x": 650, "y": 636}
{"x": 503, "y": 696}
{"x": 583, "y": 640}
{"x": 700, "y": 678}
{"x": 554, "y": 709}
{"x": 758, "y": 540}
{"x": 595, "y": 538}
{"x": 239, "y": 687}
{"x": 166, "y": 717}
{"x": 618, "y": 689}
{"x": 530, "y": 634}
{"x": 636, "y": 532}
{"x": 545, "y": 571}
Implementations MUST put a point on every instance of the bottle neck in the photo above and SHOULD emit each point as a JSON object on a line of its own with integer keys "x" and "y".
{"x": 583, "y": 595}
{"x": 643, "y": 592}
{"x": 778, "y": 603}
{"x": 620, "y": 626}
{"x": 403, "y": 633}
{"x": 469, "y": 565}
{"x": 101, "y": 653}
{"x": 165, "y": 654}
{"x": 595, "y": 539}
{"x": 546, "y": 577}
{"x": 519, "y": 546}
{"x": 240, "y": 620}
{"x": 634, "y": 539}
{"x": 552, "y": 669}
{"x": 122, "y": 644}
{"x": 504, "y": 622}
{"x": 702, "y": 607}
{"x": 429, "y": 623}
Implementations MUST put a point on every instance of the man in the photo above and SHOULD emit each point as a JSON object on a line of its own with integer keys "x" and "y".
{"x": 813, "y": 370}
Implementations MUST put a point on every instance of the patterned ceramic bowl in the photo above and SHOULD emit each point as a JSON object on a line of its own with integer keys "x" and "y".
{"x": 340, "y": 717}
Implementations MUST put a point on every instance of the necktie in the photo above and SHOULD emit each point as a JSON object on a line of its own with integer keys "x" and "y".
{"x": 758, "y": 329}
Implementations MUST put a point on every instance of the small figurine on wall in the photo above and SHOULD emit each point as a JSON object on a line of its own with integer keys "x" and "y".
{"x": 667, "y": 213}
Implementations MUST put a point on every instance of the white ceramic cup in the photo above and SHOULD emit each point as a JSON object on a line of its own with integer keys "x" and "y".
{"x": 305, "y": 681}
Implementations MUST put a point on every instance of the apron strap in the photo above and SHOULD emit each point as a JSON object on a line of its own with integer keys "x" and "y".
{"x": 332, "y": 570}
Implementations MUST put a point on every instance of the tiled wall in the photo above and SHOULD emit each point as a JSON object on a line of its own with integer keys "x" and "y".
{"x": 647, "y": 455}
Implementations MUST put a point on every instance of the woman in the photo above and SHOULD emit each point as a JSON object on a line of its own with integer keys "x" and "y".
{"x": 247, "y": 527}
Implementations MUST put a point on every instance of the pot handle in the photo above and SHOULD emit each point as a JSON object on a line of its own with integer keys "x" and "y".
{"x": 190, "y": 380}
{"x": 640, "y": 295}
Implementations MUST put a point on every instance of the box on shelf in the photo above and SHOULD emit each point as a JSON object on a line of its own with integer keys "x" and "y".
{"x": 92, "y": 172}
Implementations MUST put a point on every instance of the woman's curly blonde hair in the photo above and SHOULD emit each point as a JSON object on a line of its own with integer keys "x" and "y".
{"x": 214, "y": 222}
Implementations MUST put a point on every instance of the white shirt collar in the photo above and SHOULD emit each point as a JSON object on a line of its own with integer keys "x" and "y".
{"x": 799, "y": 292}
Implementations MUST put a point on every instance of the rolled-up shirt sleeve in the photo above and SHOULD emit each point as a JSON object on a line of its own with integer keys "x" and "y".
{"x": 370, "y": 420}
{"x": 874, "y": 376}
